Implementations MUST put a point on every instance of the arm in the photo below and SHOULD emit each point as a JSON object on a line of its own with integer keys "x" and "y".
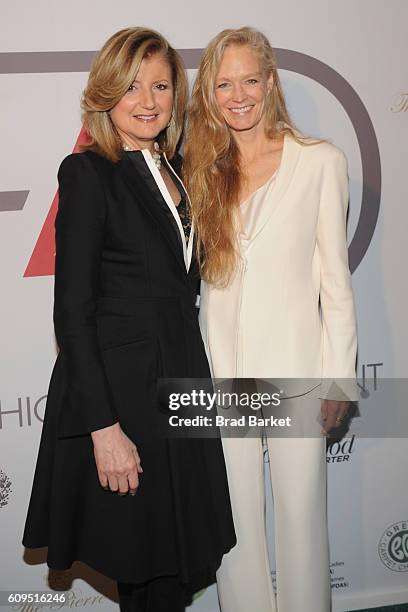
{"x": 87, "y": 404}
{"x": 336, "y": 296}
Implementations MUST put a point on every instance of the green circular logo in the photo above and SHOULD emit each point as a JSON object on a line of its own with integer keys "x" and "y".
{"x": 393, "y": 547}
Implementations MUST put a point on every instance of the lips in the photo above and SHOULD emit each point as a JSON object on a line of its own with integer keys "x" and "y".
{"x": 241, "y": 110}
{"x": 146, "y": 118}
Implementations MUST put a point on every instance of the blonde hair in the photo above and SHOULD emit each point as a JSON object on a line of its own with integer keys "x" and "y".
{"x": 113, "y": 71}
{"x": 211, "y": 164}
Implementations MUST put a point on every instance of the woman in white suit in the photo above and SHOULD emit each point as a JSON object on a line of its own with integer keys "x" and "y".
{"x": 276, "y": 302}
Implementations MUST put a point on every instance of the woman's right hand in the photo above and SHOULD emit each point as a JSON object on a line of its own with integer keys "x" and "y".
{"x": 117, "y": 460}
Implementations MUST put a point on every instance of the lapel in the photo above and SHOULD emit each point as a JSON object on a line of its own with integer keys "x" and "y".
{"x": 290, "y": 157}
{"x": 141, "y": 182}
{"x": 187, "y": 248}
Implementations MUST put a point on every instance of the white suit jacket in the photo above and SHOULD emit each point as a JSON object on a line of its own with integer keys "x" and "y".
{"x": 295, "y": 313}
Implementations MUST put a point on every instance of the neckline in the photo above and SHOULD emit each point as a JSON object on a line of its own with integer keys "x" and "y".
{"x": 265, "y": 184}
{"x": 290, "y": 157}
{"x": 162, "y": 188}
{"x": 146, "y": 152}
{"x": 143, "y": 151}
{"x": 277, "y": 172}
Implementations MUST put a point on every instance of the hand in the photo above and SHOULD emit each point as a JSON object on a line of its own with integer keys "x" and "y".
{"x": 333, "y": 414}
{"x": 117, "y": 460}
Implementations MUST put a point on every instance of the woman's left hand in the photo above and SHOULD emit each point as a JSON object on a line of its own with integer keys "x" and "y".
{"x": 333, "y": 414}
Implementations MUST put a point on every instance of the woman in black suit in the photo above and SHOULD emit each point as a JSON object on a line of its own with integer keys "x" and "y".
{"x": 125, "y": 315}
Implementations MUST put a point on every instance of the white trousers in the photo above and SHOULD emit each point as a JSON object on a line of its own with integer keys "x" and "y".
{"x": 298, "y": 477}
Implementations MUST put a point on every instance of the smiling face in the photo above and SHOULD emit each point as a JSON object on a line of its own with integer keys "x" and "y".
{"x": 145, "y": 109}
{"x": 241, "y": 88}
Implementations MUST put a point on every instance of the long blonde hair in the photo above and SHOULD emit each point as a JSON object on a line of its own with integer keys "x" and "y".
{"x": 113, "y": 71}
{"x": 211, "y": 165}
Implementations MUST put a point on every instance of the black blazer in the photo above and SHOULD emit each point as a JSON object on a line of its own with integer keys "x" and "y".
{"x": 124, "y": 316}
{"x": 120, "y": 280}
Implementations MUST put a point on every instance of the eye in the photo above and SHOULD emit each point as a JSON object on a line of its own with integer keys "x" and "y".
{"x": 162, "y": 86}
{"x": 222, "y": 85}
{"x": 252, "y": 81}
{"x": 132, "y": 87}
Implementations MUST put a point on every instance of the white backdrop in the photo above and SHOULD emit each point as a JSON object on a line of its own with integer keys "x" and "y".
{"x": 363, "y": 43}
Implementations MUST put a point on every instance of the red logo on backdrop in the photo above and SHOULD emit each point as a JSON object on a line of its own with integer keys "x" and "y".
{"x": 42, "y": 260}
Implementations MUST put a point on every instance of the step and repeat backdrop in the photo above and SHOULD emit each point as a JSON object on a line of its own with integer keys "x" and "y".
{"x": 343, "y": 68}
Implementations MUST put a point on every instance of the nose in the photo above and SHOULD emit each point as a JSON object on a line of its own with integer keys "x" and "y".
{"x": 238, "y": 92}
{"x": 147, "y": 99}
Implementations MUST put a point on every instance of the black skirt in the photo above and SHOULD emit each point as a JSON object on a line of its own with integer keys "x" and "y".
{"x": 178, "y": 523}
